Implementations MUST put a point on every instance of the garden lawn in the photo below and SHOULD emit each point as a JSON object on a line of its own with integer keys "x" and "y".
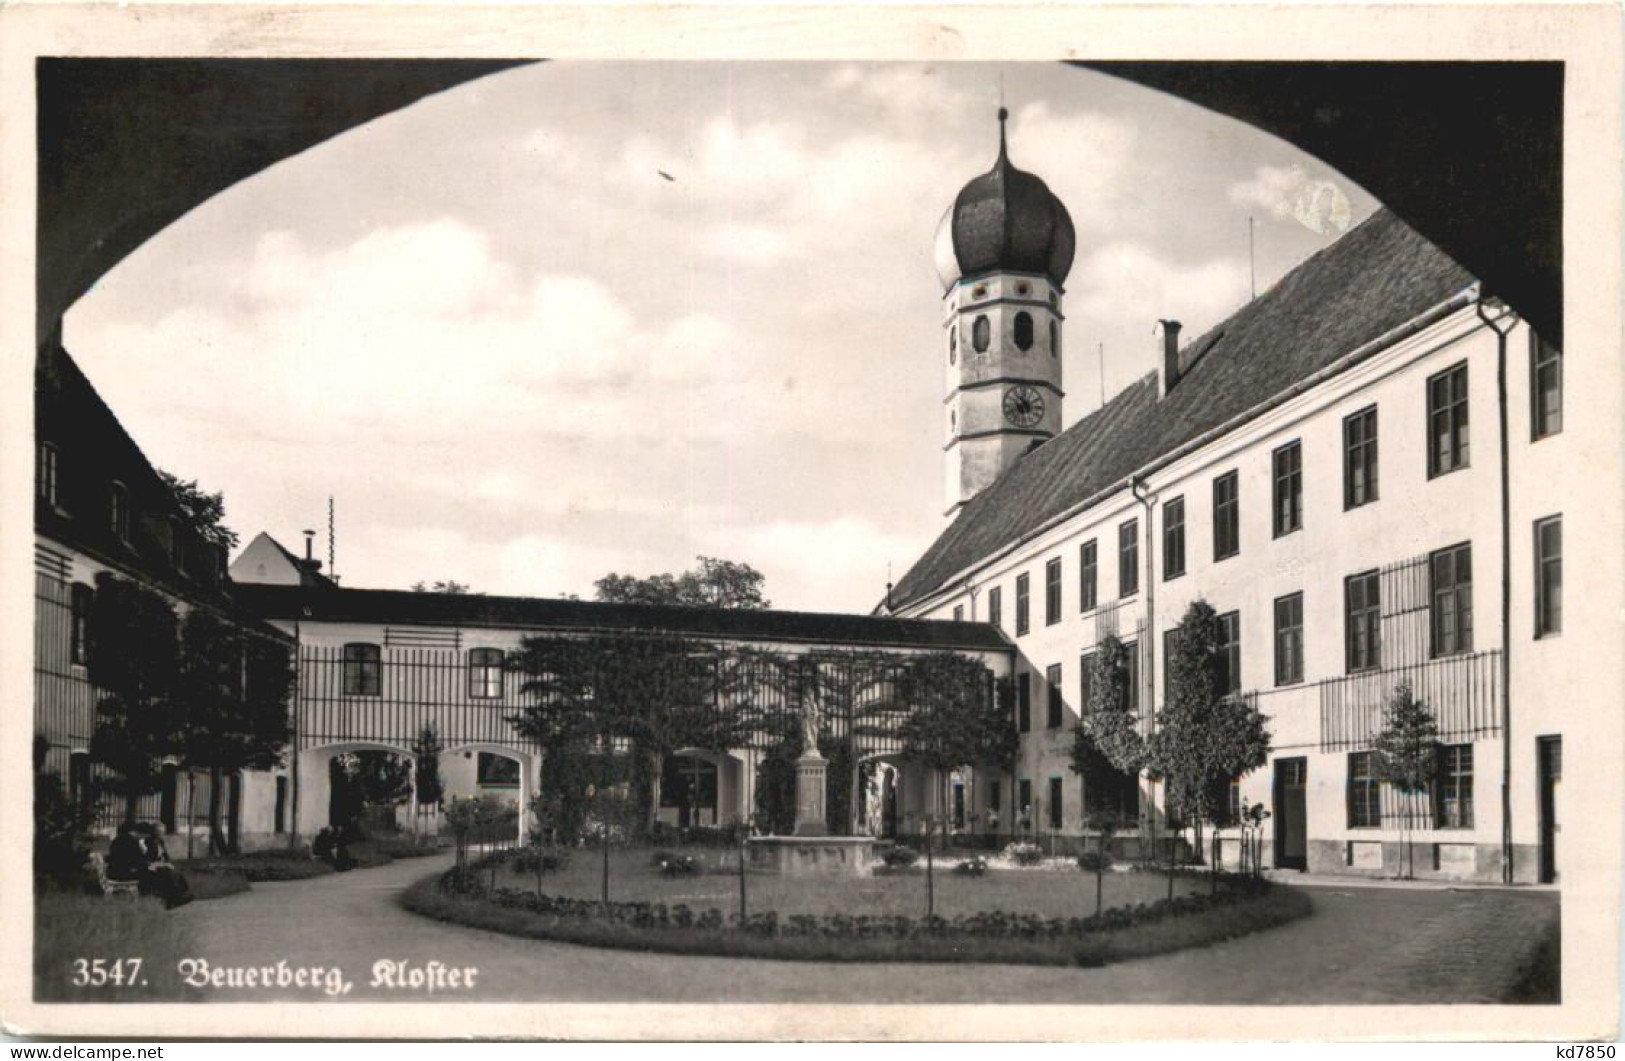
{"x": 1056, "y": 889}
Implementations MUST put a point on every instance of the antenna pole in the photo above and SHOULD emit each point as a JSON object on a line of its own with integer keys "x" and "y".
{"x": 1101, "y": 352}
{"x": 332, "y": 571}
{"x": 1252, "y": 257}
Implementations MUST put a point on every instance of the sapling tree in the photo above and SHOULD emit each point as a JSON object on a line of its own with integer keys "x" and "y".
{"x": 132, "y": 651}
{"x": 1107, "y": 745}
{"x": 1407, "y": 755}
{"x": 428, "y": 788}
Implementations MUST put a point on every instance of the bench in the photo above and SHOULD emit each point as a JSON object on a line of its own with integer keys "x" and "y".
{"x": 107, "y": 884}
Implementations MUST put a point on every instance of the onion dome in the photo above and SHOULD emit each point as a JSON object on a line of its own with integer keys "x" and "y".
{"x": 1006, "y": 220}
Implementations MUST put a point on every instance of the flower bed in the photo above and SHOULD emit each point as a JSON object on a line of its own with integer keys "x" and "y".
{"x": 1239, "y": 907}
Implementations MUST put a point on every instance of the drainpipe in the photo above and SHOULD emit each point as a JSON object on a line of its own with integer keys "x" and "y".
{"x": 1510, "y": 320}
{"x": 1148, "y": 650}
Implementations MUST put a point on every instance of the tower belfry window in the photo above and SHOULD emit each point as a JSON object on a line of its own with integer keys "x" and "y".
{"x": 981, "y": 334}
{"x": 1054, "y": 340}
{"x": 953, "y": 345}
{"x": 1024, "y": 330}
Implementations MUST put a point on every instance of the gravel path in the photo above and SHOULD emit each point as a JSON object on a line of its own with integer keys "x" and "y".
{"x": 1361, "y": 945}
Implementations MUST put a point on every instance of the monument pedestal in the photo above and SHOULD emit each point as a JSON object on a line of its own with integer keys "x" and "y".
{"x": 810, "y": 772}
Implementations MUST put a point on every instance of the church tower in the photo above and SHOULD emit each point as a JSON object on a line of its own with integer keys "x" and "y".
{"x": 1003, "y": 250}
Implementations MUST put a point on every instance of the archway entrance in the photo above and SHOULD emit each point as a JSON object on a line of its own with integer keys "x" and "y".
{"x": 368, "y": 790}
{"x": 688, "y": 790}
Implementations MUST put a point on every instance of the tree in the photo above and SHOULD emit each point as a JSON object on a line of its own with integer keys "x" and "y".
{"x": 952, "y": 718}
{"x": 1106, "y": 743}
{"x": 712, "y": 583}
{"x": 426, "y": 783}
{"x": 232, "y": 689}
{"x": 449, "y": 585}
{"x": 1407, "y": 753}
{"x": 643, "y": 695}
{"x": 58, "y": 822}
{"x": 1205, "y": 738}
{"x": 132, "y": 657}
{"x": 205, "y": 513}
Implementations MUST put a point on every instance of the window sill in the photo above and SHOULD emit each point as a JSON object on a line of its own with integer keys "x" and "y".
{"x": 1226, "y": 556}
{"x": 1441, "y": 473}
{"x": 1289, "y": 532}
{"x": 1173, "y": 576}
{"x": 1279, "y": 684}
{"x": 1347, "y": 507}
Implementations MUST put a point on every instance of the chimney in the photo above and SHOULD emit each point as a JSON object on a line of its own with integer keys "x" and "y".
{"x": 1170, "y": 356}
{"x": 310, "y": 536}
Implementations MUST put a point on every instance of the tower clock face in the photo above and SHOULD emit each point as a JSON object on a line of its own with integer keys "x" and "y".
{"x": 1023, "y": 406}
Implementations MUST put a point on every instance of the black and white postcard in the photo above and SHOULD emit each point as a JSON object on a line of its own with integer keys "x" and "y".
{"x": 812, "y": 523}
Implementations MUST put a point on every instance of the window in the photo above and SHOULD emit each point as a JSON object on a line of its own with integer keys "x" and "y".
{"x": 981, "y": 333}
{"x": 1088, "y": 576}
{"x": 1360, "y": 458}
{"x": 1364, "y": 791}
{"x": 1549, "y": 576}
{"x": 362, "y": 664}
{"x": 995, "y": 796}
{"x": 45, "y": 477}
{"x": 1024, "y": 330}
{"x": 1173, "y": 538}
{"x": 1447, "y": 420}
{"x": 1288, "y": 488}
{"x": 1128, "y": 558}
{"x": 1024, "y": 702}
{"x": 1054, "y": 339}
{"x": 1451, "y": 575}
{"x": 1454, "y": 803}
{"x": 1055, "y": 803}
{"x": 1086, "y": 682}
{"x": 118, "y": 504}
{"x": 1545, "y": 388}
{"x": 1024, "y": 797}
{"x": 953, "y": 345}
{"x": 1226, "y": 517}
{"x": 1052, "y": 679}
{"x": 1023, "y": 613}
{"x": 1362, "y": 621}
{"x": 995, "y": 606}
{"x": 79, "y": 627}
{"x": 1131, "y": 695}
{"x": 1289, "y": 639}
{"x": 485, "y": 673}
{"x": 1052, "y": 592}
{"x": 499, "y": 771}
{"x": 959, "y": 613}
{"x": 1230, "y": 652}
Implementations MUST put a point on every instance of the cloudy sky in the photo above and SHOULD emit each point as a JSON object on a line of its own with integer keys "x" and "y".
{"x": 521, "y": 357}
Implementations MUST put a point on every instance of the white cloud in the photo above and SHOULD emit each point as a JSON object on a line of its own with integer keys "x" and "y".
{"x": 1290, "y": 192}
{"x": 1133, "y": 282}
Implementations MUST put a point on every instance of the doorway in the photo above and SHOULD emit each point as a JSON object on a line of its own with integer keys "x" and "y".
{"x": 1550, "y": 755}
{"x": 1290, "y": 814}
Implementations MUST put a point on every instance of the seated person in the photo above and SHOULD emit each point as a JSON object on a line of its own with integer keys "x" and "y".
{"x": 125, "y": 859}
{"x": 162, "y": 878}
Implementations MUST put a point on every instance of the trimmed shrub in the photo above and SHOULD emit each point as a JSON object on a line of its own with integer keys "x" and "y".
{"x": 1024, "y": 854}
{"x": 971, "y": 867}
{"x": 1094, "y": 861}
{"x": 900, "y": 857}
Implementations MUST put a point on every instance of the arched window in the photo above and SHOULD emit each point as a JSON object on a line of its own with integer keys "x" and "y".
{"x": 981, "y": 334}
{"x": 1024, "y": 330}
{"x": 953, "y": 344}
{"x": 485, "y": 673}
{"x": 80, "y": 791}
{"x": 47, "y": 473}
{"x": 79, "y": 628}
{"x": 1054, "y": 339}
{"x": 118, "y": 507}
{"x": 363, "y": 667}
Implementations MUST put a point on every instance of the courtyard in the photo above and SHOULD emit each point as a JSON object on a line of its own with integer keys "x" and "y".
{"x": 1361, "y": 945}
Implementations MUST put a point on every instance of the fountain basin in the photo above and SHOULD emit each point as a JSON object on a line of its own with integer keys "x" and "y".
{"x": 812, "y": 856}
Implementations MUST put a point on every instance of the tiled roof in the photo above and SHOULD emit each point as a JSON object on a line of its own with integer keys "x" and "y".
{"x": 406, "y": 608}
{"x": 1378, "y": 276}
